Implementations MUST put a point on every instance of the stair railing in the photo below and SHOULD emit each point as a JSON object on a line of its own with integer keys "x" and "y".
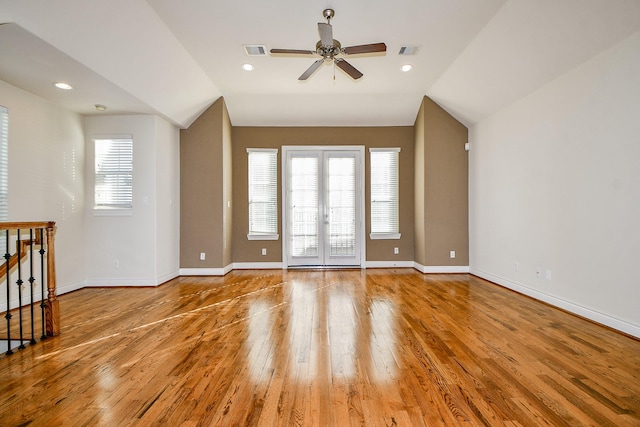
{"x": 38, "y": 246}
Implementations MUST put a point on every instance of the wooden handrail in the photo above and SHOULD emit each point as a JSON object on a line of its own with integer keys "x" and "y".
{"x": 51, "y": 303}
{"x": 6, "y": 225}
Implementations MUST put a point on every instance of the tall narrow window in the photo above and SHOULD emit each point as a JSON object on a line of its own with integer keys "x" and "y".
{"x": 114, "y": 173}
{"x": 4, "y": 169}
{"x": 384, "y": 193}
{"x": 263, "y": 194}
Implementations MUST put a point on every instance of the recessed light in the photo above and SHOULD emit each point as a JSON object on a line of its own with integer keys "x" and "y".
{"x": 63, "y": 86}
{"x": 247, "y": 67}
{"x": 406, "y": 68}
{"x": 101, "y": 107}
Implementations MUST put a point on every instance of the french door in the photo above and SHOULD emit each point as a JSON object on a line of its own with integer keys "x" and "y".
{"x": 323, "y": 199}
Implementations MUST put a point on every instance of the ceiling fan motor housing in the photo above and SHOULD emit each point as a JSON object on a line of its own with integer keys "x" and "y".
{"x": 329, "y": 52}
{"x": 329, "y": 49}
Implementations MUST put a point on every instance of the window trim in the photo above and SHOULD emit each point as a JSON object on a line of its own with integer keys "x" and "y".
{"x": 378, "y": 235}
{"x": 385, "y": 236}
{"x": 262, "y": 236}
{"x": 103, "y": 210}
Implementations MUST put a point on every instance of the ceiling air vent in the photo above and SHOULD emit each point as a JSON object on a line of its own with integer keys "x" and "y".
{"x": 255, "y": 49}
{"x": 408, "y": 50}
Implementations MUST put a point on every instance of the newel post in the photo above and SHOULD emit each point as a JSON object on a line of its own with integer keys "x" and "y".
{"x": 52, "y": 306}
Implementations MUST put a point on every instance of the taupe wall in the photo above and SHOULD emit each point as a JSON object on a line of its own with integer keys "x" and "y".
{"x": 433, "y": 187}
{"x": 227, "y": 176}
{"x": 272, "y": 137}
{"x": 419, "y": 238}
{"x": 444, "y": 172}
{"x": 202, "y": 190}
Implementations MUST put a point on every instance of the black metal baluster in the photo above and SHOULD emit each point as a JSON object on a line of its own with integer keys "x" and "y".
{"x": 42, "y": 281}
{"x": 7, "y": 257}
{"x": 19, "y": 283}
{"x": 31, "y": 280}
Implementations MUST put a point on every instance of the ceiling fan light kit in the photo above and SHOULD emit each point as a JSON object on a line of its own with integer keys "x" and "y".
{"x": 331, "y": 50}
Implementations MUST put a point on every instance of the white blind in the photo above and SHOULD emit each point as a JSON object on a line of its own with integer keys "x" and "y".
{"x": 263, "y": 191}
{"x": 384, "y": 191}
{"x": 114, "y": 173}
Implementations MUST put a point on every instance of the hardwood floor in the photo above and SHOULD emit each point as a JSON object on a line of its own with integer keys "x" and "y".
{"x": 321, "y": 348}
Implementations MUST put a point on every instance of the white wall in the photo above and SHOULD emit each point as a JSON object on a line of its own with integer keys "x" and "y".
{"x": 51, "y": 171}
{"x": 46, "y": 176}
{"x": 167, "y": 201}
{"x": 555, "y": 183}
{"x": 132, "y": 240}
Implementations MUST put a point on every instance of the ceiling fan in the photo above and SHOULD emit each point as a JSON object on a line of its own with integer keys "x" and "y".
{"x": 330, "y": 49}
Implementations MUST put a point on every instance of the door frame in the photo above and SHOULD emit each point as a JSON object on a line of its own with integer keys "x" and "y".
{"x": 360, "y": 181}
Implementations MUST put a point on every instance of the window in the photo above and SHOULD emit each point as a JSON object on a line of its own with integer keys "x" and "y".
{"x": 384, "y": 193}
{"x": 4, "y": 170}
{"x": 114, "y": 173}
{"x": 263, "y": 194}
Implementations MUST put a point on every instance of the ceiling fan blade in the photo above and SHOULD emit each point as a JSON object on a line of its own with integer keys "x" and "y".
{"x": 293, "y": 51}
{"x": 326, "y": 34}
{"x": 311, "y": 69}
{"x": 365, "y": 48}
{"x": 348, "y": 68}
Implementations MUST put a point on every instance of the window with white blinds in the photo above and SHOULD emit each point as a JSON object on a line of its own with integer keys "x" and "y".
{"x": 263, "y": 194}
{"x": 114, "y": 173}
{"x": 384, "y": 193}
{"x": 4, "y": 169}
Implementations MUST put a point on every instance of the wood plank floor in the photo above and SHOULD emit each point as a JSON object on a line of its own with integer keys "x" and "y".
{"x": 321, "y": 348}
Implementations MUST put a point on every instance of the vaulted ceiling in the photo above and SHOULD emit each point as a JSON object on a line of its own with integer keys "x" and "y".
{"x": 174, "y": 58}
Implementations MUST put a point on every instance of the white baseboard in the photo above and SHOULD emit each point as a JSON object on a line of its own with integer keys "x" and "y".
{"x": 14, "y": 304}
{"x": 441, "y": 268}
{"x": 124, "y": 282}
{"x": 26, "y": 297}
{"x": 203, "y": 271}
{"x": 70, "y": 287}
{"x": 604, "y": 319}
{"x": 166, "y": 277}
{"x": 279, "y": 266}
{"x": 120, "y": 282}
{"x": 257, "y": 266}
{"x": 389, "y": 264}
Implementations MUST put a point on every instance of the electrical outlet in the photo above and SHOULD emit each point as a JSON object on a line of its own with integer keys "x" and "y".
{"x": 452, "y": 254}
{"x": 547, "y": 274}
{"x": 116, "y": 263}
{"x": 517, "y": 266}
{"x": 538, "y": 272}
{"x": 264, "y": 251}
{"x": 202, "y": 256}
{"x": 396, "y": 251}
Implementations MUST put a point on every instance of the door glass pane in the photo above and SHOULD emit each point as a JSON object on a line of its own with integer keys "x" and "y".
{"x": 304, "y": 206}
{"x": 342, "y": 206}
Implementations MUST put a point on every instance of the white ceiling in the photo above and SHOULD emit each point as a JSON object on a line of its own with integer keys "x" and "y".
{"x": 174, "y": 58}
